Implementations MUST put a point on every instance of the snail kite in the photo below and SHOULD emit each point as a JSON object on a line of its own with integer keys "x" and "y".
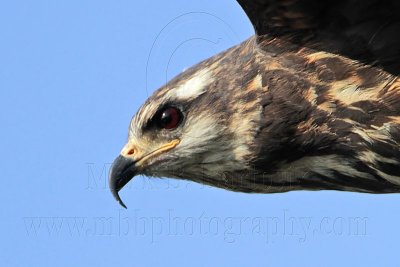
{"x": 311, "y": 102}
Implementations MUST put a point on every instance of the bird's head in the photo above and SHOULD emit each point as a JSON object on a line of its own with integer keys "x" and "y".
{"x": 185, "y": 130}
{"x": 297, "y": 106}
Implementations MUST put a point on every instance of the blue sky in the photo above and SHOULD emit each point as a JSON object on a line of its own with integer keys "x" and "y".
{"x": 72, "y": 74}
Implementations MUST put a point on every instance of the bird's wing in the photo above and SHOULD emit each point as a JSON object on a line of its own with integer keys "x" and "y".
{"x": 365, "y": 30}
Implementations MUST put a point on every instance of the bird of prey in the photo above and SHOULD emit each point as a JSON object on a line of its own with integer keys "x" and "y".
{"x": 311, "y": 102}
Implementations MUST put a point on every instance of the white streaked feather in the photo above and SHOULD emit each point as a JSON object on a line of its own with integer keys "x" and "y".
{"x": 193, "y": 87}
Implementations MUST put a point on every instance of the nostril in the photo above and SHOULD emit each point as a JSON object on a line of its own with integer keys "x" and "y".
{"x": 131, "y": 152}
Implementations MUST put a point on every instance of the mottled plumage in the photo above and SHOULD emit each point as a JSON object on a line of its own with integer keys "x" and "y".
{"x": 311, "y": 102}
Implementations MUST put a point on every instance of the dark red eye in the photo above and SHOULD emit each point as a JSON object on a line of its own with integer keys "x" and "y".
{"x": 170, "y": 118}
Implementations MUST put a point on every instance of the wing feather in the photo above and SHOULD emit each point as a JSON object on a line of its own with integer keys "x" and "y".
{"x": 365, "y": 30}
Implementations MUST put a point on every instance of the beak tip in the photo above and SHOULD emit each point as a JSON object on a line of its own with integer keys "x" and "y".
{"x": 122, "y": 204}
{"x": 118, "y": 198}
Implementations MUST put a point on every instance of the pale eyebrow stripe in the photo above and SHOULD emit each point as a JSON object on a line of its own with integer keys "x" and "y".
{"x": 194, "y": 86}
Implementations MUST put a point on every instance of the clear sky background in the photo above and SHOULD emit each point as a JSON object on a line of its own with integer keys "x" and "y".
{"x": 72, "y": 74}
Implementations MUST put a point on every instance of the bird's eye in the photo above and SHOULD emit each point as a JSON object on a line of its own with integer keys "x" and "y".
{"x": 169, "y": 118}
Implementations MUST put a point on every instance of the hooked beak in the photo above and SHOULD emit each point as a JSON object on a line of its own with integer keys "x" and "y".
{"x": 124, "y": 168}
{"x": 122, "y": 171}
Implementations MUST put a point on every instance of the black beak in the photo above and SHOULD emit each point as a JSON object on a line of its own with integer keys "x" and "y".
{"x": 122, "y": 171}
